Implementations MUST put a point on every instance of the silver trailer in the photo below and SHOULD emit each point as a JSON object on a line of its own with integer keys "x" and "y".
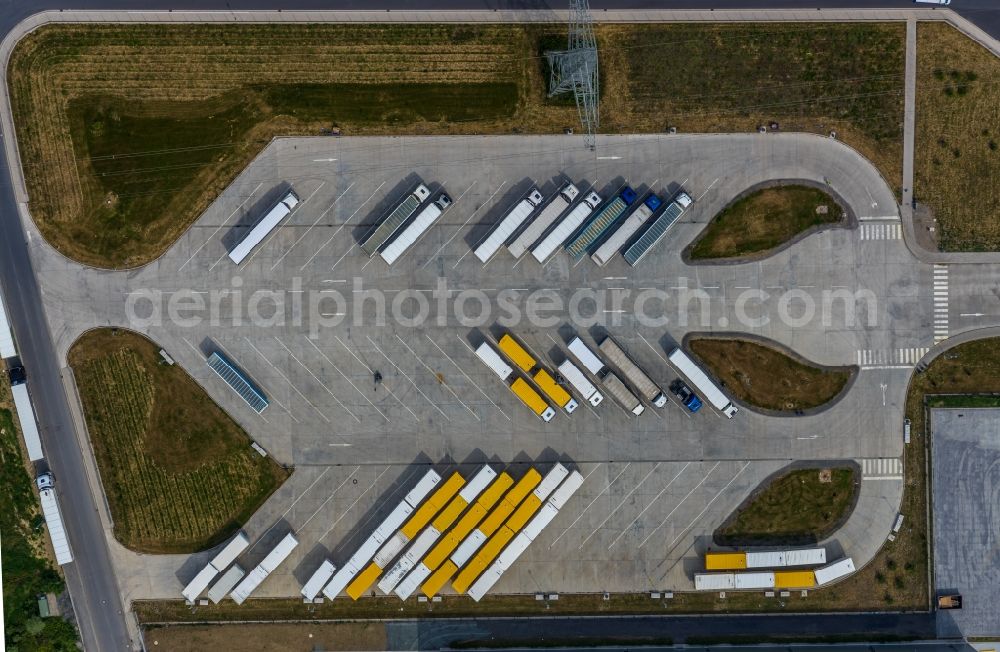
{"x": 545, "y": 219}
{"x": 633, "y": 372}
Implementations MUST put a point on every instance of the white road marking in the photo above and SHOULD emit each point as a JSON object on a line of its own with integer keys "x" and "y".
{"x": 394, "y": 366}
{"x": 290, "y": 384}
{"x": 274, "y": 232}
{"x": 337, "y": 369}
{"x": 321, "y": 216}
{"x": 371, "y": 371}
{"x": 358, "y": 499}
{"x": 440, "y": 382}
{"x": 346, "y": 222}
{"x": 657, "y": 497}
{"x": 667, "y": 518}
{"x": 328, "y": 499}
{"x": 242, "y": 204}
{"x": 623, "y": 501}
{"x": 591, "y": 503}
{"x": 464, "y": 374}
{"x": 702, "y": 512}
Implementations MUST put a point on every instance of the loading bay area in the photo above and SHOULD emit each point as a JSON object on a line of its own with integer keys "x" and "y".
{"x": 371, "y": 374}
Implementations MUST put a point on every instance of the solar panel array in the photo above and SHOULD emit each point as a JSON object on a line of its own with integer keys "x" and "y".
{"x": 235, "y": 379}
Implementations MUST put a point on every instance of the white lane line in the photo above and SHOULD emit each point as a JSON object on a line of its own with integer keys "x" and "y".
{"x": 274, "y": 233}
{"x": 657, "y": 497}
{"x": 403, "y": 373}
{"x": 321, "y": 216}
{"x": 591, "y": 503}
{"x": 356, "y": 501}
{"x": 285, "y": 513}
{"x": 623, "y": 501}
{"x": 667, "y": 518}
{"x": 346, "y": 222}
{"x": 371, "y": 371}
{"x": 650, "y": 345}
{"x": 702, "y": 512}
{"x": 337, "y": 369}
{"x": 488, "y": 200}
{"x": 290, "y": 384}
{"x": 328, "y": 499}
{"x": 440, "y": 382}
{"x": 465, "y": 374}
{"x": 427, "y": 262}
{"x": 707, "y": 189}
{"x": 273, "y": 399}
{"x": 216, "y": 231}
{"x": 316, "y": 378}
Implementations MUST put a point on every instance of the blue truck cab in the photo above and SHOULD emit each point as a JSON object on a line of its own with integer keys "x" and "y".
{"x": 685, "y": 395}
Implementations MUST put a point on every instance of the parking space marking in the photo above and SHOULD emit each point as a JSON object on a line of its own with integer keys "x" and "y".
{"x": 396, "y": 367}
{"x": 705, "y": 509}
{"x": 321, "y": 216}
{"x": 356, "y": 501}
{"x": 277, "y": 229}
{"x": 372, "y": 371}
{"x": 624, "y": 500}
{"x": 337, "y": 369}
{"x": 272, "y": 399}
{"x": 232, "y": 357}
{"x": 465, "y": 374}
{"x": 328, "y": 498}
{"x": 485, "y": 203}
{"x": 667, "y": 518}
{"x": 290, "y": 384}
{"x": 290, "y": 507}
{"x": 657, "y": 497}
{"x": 440, "y": 382}
{"x": 427, "y": 262}
{"x": 346, "y": 222}
{"x": 214, "y": 233}
{"x": 591, "y": 503}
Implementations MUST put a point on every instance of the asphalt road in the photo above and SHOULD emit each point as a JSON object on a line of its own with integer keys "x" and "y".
{"x": 91, "y": 577}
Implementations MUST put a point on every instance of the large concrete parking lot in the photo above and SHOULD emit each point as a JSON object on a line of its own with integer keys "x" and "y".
{"x": 657, "y": 484}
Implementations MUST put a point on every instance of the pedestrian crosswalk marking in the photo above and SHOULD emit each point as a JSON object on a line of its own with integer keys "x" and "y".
{"x": 882, "y": 468}
{"x": 940, "y": 303}
{"x": 881, "y": 232}
{"x": 894, "y": 359}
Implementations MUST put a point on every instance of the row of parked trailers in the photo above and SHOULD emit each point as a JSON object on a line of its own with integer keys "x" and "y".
{"x": 620, "y": 225}
{"x": 775, "y": 579}
{"x": 466, "y": 532}
{"x": 548, "y": 389}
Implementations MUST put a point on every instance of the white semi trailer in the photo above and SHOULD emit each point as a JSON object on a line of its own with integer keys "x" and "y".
{"x": 7, "y": 347}
{"x": 264, "y": 227}
{"x": 506, "y": 227}
{"x": 415, "y": 229}
{"x": 545, "y": 219}
{"x": 580, "y": 382}
{"x": 26, "y": 417}
{"x": 702, "y": 382}
{"x": 620, "y": 391}
{"x": 267, "y": 565}
{"x": 53, "y": 519}
{"x": 633, "y": 372}
{"x": 566, "y": 227}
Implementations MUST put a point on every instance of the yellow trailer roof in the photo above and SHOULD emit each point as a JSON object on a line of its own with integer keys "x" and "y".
{"x": 495, "y": 545}
{"x": 725, "y": 560}
{"x": 524, "y": 486}
{"x": 794, "y": 579}
{"x": 438, "y": 578}
{"x": 442, "y": 550}
{"x": 492, "y": 494}
{"x": 363, "y": 580}
{"x": 432, "y": 505}
{"x": 496, "y": 518}
{"x": 516, "y": 353}
{"x": 468, "y": 575}
{"x": 555, "y": 391}
{"x": 524, "y": 512}
{"x": 448, "y": 515}
{"x": 529, "y": 396}
{"x": 469, "y": 521}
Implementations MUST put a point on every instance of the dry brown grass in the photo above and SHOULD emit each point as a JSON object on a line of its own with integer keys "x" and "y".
{"x": 268, "y": 637}
{"x": 957, "y": 157}
{"x": 697, "y": 77}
